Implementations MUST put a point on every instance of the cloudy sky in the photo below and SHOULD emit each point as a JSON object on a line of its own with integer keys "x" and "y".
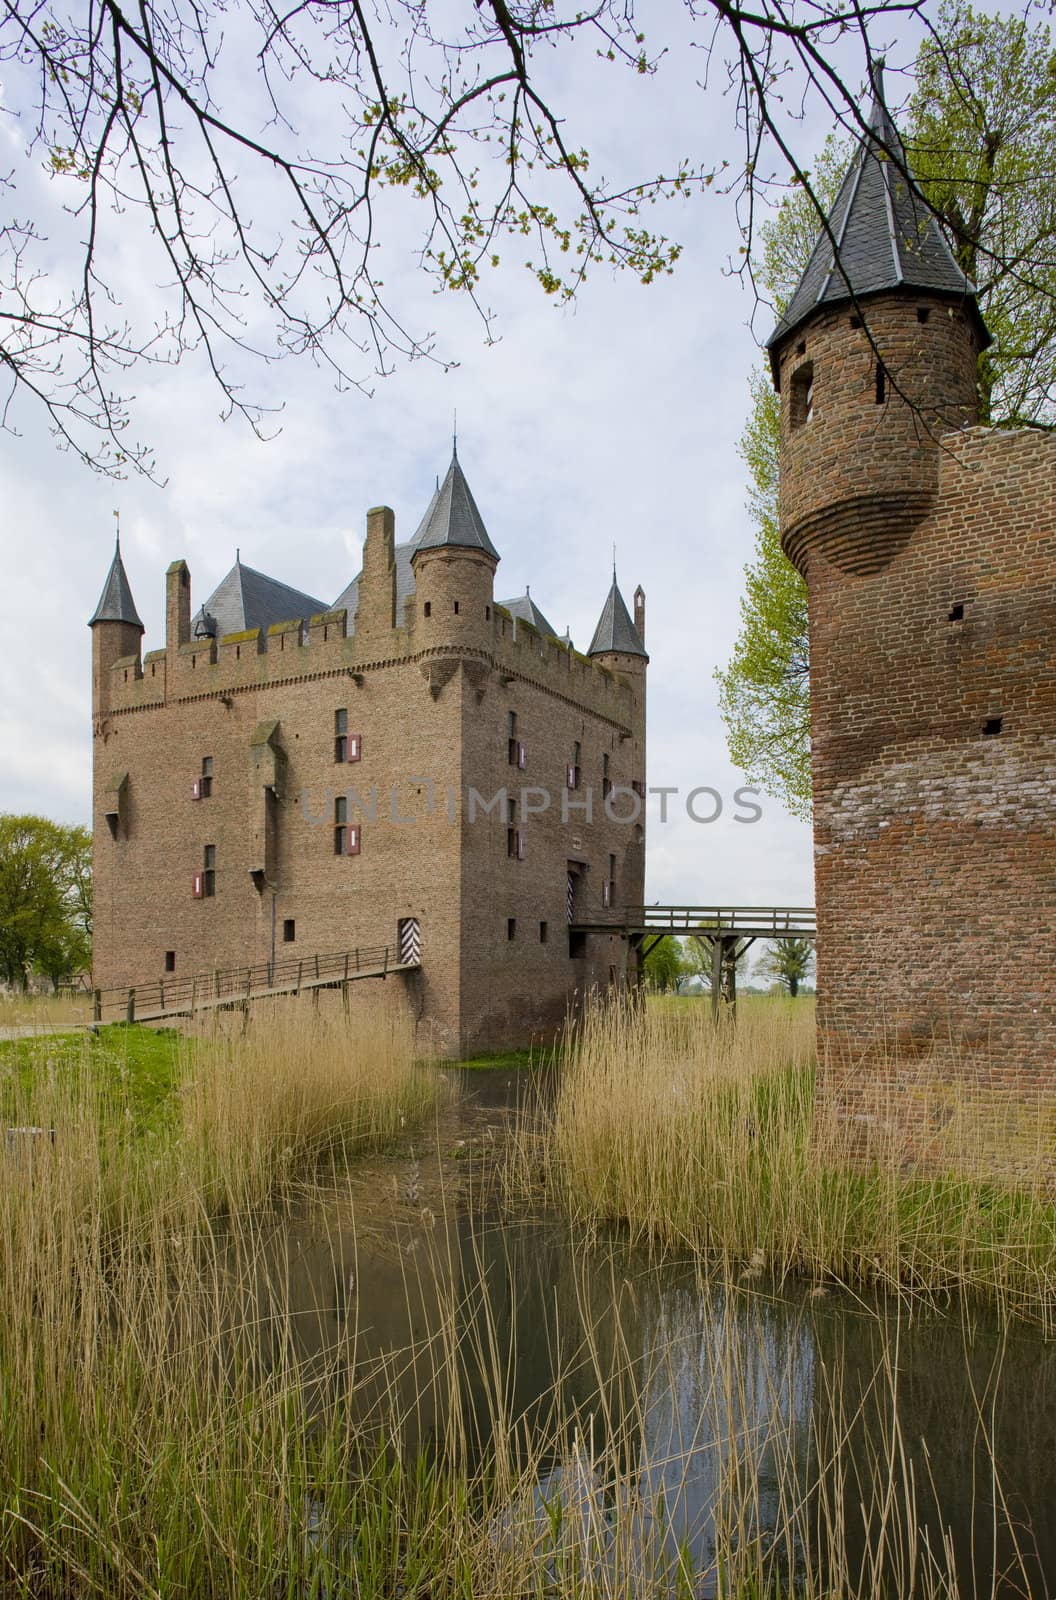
{"x": 612, "y": 422}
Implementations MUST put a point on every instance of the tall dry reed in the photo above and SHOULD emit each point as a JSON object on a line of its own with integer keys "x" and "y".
{"x": 708, "y": 1137}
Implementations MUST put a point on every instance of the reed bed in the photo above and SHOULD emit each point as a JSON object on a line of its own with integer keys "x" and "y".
{"x": 29, "y": 1011}
{"x": 708, "y": 1137}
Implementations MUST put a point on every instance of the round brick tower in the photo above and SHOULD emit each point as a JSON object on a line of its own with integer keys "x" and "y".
{"x": 454, "y": 564}
{"x": 875, "y": 359}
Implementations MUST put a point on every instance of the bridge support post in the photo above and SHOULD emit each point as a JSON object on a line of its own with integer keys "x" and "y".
{"x": 716, "y": 975}
{"x": 130, "y": 1006}
{"x": 97, "y": 1005}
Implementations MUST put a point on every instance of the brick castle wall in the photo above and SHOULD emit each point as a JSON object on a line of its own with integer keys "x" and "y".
{"x": 931, "y": 567}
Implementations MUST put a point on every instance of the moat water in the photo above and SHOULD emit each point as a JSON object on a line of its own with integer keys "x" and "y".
{"x": 670, "y": 1416}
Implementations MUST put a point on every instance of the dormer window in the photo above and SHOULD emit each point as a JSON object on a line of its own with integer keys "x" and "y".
{"x": 802, "y": 397}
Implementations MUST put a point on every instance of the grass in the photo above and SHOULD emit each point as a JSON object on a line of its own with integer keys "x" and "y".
{"x": 710, "y": 1139}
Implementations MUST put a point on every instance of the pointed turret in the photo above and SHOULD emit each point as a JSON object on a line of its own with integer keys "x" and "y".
{"x": 116, "y": 603}
{"x": 452, "y": 519}
{"x": 615, "y": 633}
{"x": 117, "y": 632}
{"x": 880, "y": 237}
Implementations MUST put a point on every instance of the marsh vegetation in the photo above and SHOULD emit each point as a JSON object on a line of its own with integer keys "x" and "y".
{"x": 288, "y": 1315}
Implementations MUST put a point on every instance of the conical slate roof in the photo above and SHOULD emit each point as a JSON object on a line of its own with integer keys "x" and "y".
{"x": 249, "y": 599}
{"x": 615, "y": 630}
{"x": 885, "y": 236}
{"x": 116, "y": 603}
{"x": 453, "y": 518}
{"x": 525, "y": 609}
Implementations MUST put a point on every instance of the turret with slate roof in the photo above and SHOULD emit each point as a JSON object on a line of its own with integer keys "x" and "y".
{"x": 116, "y": 632}
{"x": 453, "y": 562}
{"x": 875, "y": 359}
{"x": 246, "y": 598}
{"x": 616, "y": 634}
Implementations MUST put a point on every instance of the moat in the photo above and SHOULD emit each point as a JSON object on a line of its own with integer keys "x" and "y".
{"x": 661, "y": 1416}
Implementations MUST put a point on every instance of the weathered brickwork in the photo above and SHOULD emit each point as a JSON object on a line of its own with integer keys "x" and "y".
{"x": 429, "y": 693}
{"x": 930, "y": 558}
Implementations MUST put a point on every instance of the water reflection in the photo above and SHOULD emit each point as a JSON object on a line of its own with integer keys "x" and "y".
{"x": 672, "y": 1424}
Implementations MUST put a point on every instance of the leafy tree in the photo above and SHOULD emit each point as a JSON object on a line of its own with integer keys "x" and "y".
{"x": 664, "y": 965}
{"x": 45, "y": 899}
{"x": 788, "y": 961}
{"x": 697, "y": 960}
{"x": 251, "y": 158}
{"x": 980, "y": 132}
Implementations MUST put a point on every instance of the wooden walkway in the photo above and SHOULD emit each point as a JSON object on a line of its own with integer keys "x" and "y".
{"x": 239, "y": 986}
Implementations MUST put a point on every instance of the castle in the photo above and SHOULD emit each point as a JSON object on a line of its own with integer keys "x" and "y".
{"x": 416, "y": 765}
{"x": 928, "y": 545}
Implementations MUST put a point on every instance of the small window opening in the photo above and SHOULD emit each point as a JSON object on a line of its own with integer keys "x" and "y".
{"x": 487, "y": 613}
{"x": 956, "y": 613}
{"x": 855, "y": 322}
{"x": 803, "y": 394}
{"x": 606, "y": 779}
{"x": 923, "y": 313}
{"x": 209, "y": 872}
{"x": 511, "y": 811}
{"x": 456, "y": 608}
{"x": 341, "y": 734}
{"x": 289, "y": 930}
{"x": 170, "y": 961}
{"x": 801, "y": 348}
{"x": 512, "y": 749}
{"x": 543, "y": 932}
{"x": 207, "y": 776}
{"x": 511, "y": 927}
{"x": 428, "y": 608}
{"x": 577, "y": 944}
{"x": 340, "y": 824}
{"x": 881, "y": 383}
{"x": 238, "y": 652}
{"x": 991, "y": 727}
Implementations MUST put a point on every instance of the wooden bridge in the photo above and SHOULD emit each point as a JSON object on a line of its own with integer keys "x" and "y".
{"x": 233, "y": 987}
{"x": 726, "y": 931}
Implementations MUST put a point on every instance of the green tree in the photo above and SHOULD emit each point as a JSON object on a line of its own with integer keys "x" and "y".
{"x": 697, "y": 960}
{"x": 45, "y": 899}
{"x": 979, "y": 135}
{"x": 664, "y": 964}
{"x": 788, "y": 962}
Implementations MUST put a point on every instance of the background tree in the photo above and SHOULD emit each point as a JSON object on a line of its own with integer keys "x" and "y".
{"x": 45, "y": 899}
{"x": 787, "y": 962}
{"x": 664, "y": 965}
{"x": 980, "y": 132}
{"x": 697, "y": 960}
{"x": 251, "y": 158}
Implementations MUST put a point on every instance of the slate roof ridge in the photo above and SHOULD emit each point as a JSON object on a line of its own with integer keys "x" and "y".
{"x": 615, "y": 631}
{"x": 879, "y": 234}
{"x": 247, "y": 598}
{"x": 116, "y": 603}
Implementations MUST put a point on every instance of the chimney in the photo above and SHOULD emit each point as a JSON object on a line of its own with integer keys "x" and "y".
{"x": 177, "y": 607}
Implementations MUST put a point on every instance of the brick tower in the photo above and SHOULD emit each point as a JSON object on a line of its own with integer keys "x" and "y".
{"x": 928, "y": 545}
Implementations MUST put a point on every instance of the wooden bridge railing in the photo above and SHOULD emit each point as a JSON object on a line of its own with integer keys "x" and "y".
{"x": 760, "y": 922}
{"x": 175, "y": 996}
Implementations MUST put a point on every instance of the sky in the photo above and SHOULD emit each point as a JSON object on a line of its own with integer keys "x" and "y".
{"x": 609, "y": 423}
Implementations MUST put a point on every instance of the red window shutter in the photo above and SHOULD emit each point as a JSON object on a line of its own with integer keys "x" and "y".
{"x": 570, "y": 777}
{"x": 196, "y": 789}
{"x": 522, "y": 755}
{"x": 197, "y": 885}
{"x": 520, "y": 844}
{"x": 606, "y": 894}
{"x": 355, "y": 746}
{"x": 352, "y": 841}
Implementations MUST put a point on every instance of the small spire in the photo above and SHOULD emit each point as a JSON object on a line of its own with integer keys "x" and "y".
{"x": 117, "y": 532}
{"x": 454, "y": 436}
{"x": 876, "y": 78}
{"x": 528, "y": 590}
{"x": 238, "y": 555}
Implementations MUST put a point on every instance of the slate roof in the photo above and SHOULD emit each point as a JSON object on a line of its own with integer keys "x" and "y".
{"x": 615, "y": 630}
{"x": 886, "y": 237}
{"x": 116, "y": 603}
{"x": 525, "y": 609}
{"x": 453, "y": 518}
{"x": 250, "y": 599}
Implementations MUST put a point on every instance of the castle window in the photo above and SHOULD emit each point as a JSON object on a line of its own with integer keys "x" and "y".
{"x": 802, "y": 399}
{"x": 456, "y": 608}
{"x": 956, "y": 613}
{"x": 347, "y": 746}
{"x": 427, "y": 609}
{"x": 487, "y": 613}
{"x": 606, "y": 780}
{"x": 513, "y": 746}
{"x": 855, "y": 322}
{"x": 340, "y": 824}
{"x": 881, "y": 383}
{"x": 207, "y": 777}
{"x": 991, "y": 727}
{"x": 170, "y": 961}
{"x": 573, "y": 774}
{"x": 923, "y": 313}
{"x": 515, "y": 843}
{"x": 289, "y": 930}
{"x": 543, "y": 932}
{"x": 209, "y": 871}
{"x": 577, "y": 944}
{"x": 511, "y": 927}
{"x": 511, "y": 812}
